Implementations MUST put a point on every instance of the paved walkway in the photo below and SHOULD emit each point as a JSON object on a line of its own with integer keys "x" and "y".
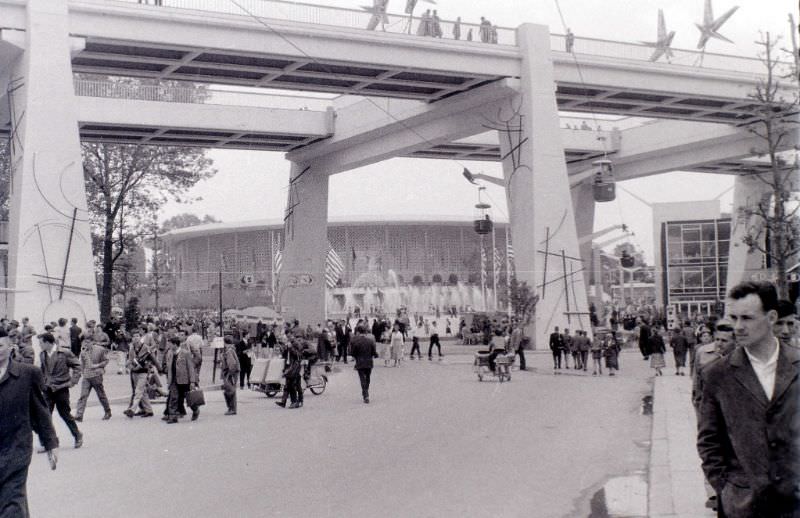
{"x": 676, "y": 487}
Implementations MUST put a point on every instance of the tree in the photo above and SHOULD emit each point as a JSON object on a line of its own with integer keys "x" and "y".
{"x": 186, "y": 220}
{"x": 775, "y": 229}
{"x": 132, "y": 313}
{"x": 523, "y": 301}
{"x": 126, "y": 185}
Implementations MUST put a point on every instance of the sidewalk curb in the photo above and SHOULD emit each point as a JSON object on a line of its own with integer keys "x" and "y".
{"x": 675, "y": 479}
{"x": 126, "y": 399}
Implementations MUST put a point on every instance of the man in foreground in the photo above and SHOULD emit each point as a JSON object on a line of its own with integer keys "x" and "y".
{"x": 24, "y": 411}
{"x": 749, "y": 422}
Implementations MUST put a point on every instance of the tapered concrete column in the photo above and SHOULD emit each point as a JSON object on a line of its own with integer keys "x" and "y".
{"x": 543, "y": 229}
{"x": 51, "y": 266}
{"x": 583, "y": 208}
{"x": 301, "y": 285}
{"x": 747, "y": 191}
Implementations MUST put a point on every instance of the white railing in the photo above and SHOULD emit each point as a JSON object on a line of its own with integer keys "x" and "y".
{"x": 316, "y": 14}
{"x": 641, "y": 52}
{"x": 196, "y": 94}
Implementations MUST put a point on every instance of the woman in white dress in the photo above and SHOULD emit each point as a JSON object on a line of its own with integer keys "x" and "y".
{"x": 396, "y": 345}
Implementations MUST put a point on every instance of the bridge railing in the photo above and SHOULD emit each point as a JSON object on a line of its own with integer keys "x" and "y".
{"x": 642, "y": 52}
{"x": 173, "y": 92}
{"x": 321, "y": 15}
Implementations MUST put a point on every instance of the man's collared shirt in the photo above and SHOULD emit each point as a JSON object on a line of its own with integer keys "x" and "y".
{"x": 765, "y": 370}
{"x": 4, "y": 368}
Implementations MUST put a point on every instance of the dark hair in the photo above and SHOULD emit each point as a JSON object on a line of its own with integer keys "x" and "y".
{"x": 765, "y": 290}
{"x": 175, "y": 340}
{"x": 785, "y": 308}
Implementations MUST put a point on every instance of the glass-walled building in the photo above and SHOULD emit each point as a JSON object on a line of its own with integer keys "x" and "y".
{"x": 695, "y": 259}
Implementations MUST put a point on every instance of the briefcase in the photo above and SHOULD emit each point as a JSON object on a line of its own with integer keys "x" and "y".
{"x": 195, "y": 398}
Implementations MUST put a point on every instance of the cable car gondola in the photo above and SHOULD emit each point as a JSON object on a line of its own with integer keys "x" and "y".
{"x": 604, "y": 186}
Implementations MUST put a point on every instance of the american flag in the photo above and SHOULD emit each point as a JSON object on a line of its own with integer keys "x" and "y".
{"x": 334, "y": 266}
{"x": 498, "y": 265}
{"x": 277, "y": 262}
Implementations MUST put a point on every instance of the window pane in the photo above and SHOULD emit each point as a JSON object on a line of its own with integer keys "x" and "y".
{"x": 691, "y": 250}
{"x": 724, "y": 247}
{"x": 709, "y": 249}
{"x": 724, "y": 229}
{"x": 674, "y": 231}
{"x": 710, "y": 277}
{"x": 708, "y": 231}
{"x": 675, "y": 279}
{"x": 692, "y": 279}
{"x": 691, "y": 234}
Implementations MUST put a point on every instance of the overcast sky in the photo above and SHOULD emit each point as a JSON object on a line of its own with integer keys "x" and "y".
{"x": 252, "y": 184}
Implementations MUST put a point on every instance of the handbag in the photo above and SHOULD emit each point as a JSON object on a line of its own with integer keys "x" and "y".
{"x": 195, "y": 398}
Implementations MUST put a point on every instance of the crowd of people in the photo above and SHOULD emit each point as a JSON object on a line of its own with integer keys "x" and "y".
{"x": 755, "y": 344}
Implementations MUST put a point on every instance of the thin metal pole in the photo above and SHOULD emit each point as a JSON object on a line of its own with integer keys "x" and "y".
{"x": 44, "y": 261}
{"x": 566, "y": 284}
{"x": 546, "y": 254}
{"x": 508, "y": 272}
{"x": 69, "y": 249}
{"x": 483, "y": 273}
{"x": 494, "y": 266}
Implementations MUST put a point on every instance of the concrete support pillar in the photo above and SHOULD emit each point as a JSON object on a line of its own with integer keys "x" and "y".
{"x": 747, "y": 191}
{"x": 51, "y": 266}
{"x": 538, "y": 193}
{"x": 583, "y": 208}
{"x": 301, "y": 286}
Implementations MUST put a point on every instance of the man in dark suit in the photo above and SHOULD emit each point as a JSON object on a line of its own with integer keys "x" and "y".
{"x": 24, "y": 411}
{"x": 181, "y": 376}
{"x": 556, "y": 342}
{"x": 61, "y": 370}
{"x": 363, "y": 350}
{"x": 644, "y": 339}
{"x": 75, "y": 333}
{"x": 749, "y": 419}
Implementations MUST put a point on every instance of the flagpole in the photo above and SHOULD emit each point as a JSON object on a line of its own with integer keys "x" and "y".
{"x": 508, "y": 271}
{"x": 483, "y": 274}
{"x": 494, "y": 266}
{"x": 272, "y": 264}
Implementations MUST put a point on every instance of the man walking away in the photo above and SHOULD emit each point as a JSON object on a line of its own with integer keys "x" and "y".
{"x": 230, "y": 375}
{"x": 363, "y": 350}
{"x": 555, "y": 348}
{"x": 75, "y": 337}
{"x": 24, "y": 410}
{"x": 61, "y": 370}
{"x": 748, "y": 429}
{"x": 94, "y": 358}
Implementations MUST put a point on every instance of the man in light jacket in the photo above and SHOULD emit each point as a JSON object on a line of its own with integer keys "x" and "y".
{"x": 181, "y": 377}
{"x": 94, "y": 358}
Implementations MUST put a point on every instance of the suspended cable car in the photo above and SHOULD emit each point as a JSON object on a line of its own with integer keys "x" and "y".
{"x": 483, "y": 223}
{"x": 604, "y": 185}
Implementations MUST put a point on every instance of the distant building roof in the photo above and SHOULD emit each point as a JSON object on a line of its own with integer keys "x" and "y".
{"x": 207, "y": 229}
